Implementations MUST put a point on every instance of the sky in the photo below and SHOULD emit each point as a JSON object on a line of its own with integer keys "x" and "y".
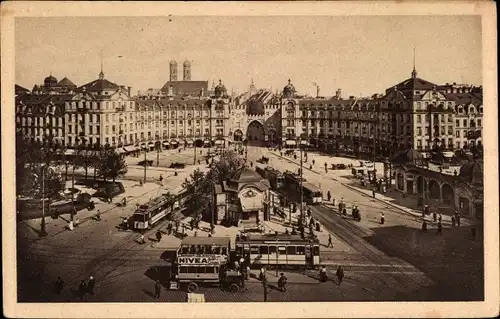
{"x": 362, "y": 55}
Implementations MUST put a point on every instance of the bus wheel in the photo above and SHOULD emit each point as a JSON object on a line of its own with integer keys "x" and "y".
{"x": 234, "y": 288}
{"x": 192, "y": 287}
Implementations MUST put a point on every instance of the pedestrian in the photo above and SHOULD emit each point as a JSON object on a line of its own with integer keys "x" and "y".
{"x": 458, "y": 219}
{"x": 195, "y": 233}
{"x": 59, "y": 285}
{"x": 142, "y": 240}
{"x": 157, "y": 289}
{"x": 424, "y": 226}
{"x": 340, "y": 274}
{"x": 440, "y": 218}
{"x": 427, "y": 210}
{"x": 282, "y": 282}
{"x": 329, "y": 195}
{"x": 158, "y": 236}
{"x": 453, "y": 221}
{"x": 382, "y": 218}
{"x": 314, "y": 162}
{"x": 330, "y": 243}
{"x": 439, "y": 229}
{"x": 98, "y": 215}
{"x": 91, "y": 285}
{"x": 333, "y": 201}
{"x": 82, "y": 289}
{"x": 344, "y": 211}
{"x": 373, "y": 193}
{"x": 262, "y": 275}
{"x": 209, "y": 234}
{"x": 434, "y": 216}
{"x": 323, "y": 277}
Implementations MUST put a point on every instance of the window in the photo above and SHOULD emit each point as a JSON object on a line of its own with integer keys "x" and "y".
{"x": 183, "y": 270}
{"x": 192, "y": 270}
{"x": 254, "y": 249}
{"x": 457, "y": 123}
{"x": 263, "y": 250}
{"x": 419, "y": 131}
{"x": 315, "y": 250}
{"x": 300, "y": 250}
{"x": 69, "y": 129}
{"x": 450, "y": 129}
{"x": 465, "y": 122}
{"x": 272, "y": 249}
{"x": 172, "y": 122}
{"x": 419, "y": 118}
{"x": 291, "y": 250}
{"x": 479, "y": 122}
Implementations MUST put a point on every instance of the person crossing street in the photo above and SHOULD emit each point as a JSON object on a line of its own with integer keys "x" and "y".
{"x": 340, "y": 275}
{"x": 91, "y": 285}
{"x": 330, "y": 243}
{"x": 157, "y": 289}
{"x": 282, "y": 282}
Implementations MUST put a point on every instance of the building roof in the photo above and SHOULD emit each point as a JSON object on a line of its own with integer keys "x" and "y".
{"x": 99, "y": 85}
{"x": 177, "y": 101}
{"x": 50, "y": 78}
{"x": 185, "y": 87}
{"x": 19, "y": 89}
{"x": 464, "y": 98}
{"x": 472, "y": 172}
{"x": 246, "y": 175}
{"x": 66, "y": 82}
{"x": 220, "y": 241}
{"x": 415, "y": 84}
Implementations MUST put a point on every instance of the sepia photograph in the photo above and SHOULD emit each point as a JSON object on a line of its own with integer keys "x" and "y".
{"x": 239, "y": 158}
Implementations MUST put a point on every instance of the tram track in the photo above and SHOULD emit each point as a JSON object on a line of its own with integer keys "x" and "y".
{"x": 354, "y": 236}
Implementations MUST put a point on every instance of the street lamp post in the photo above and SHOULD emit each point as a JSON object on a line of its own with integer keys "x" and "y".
{"x": 145, "y": 164}
{"x": 301, "y": 186}
{"x": 43, "y": 231}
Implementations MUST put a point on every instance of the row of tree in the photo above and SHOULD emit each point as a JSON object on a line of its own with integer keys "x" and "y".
{"x": 32, "y": 158}
{"x": 200, "y": 185}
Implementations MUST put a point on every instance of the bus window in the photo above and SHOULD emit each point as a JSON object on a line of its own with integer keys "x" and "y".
{"x": 216, "y": 250}
{"x": 184, "y": 250}
{"x": 315, "y": 250}
{"x": 208, "y": 249}
{"x": 139, "y": 218}
{"x": 272, "y": 249}
{"x": 183, "y": 270}
{"x": 210, "y": 270}
{"x": 192, "y": 250}
{"x": 191, "y": 270}
{"x": 282, "y": 250}
{"x": 291, "y": 250}
{"x": 254, "y": 249}
{"x": 300, "y": 250}
{"x": 263, "y": 250}
{"x": 224, "y": 251}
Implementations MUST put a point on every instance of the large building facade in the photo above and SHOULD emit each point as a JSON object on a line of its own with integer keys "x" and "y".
{"x": 414, "y": 114}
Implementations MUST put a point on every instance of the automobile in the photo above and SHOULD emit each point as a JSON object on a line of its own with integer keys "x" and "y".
{"x": 177, "y": 165}
{"x": 148, "y": 163}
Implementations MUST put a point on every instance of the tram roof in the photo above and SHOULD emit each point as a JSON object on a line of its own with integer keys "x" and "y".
{"x": 219, "y": 241}
{"x": 272, "y": 237}
{"x": 311, "y": 186}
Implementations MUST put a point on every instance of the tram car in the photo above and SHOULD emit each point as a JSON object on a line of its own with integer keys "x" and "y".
{"x": 204, "y": 261}
{"x": 158, "y": 208}
{"x": 274, "y": 176}
{"x": 281, "y": 250}
{"x": 311, "y": 194}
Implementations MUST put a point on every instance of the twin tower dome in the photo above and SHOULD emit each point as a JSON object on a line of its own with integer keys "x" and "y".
{"x": 186, "y": 66}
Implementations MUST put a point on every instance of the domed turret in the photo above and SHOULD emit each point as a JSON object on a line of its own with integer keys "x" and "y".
{"x": 220, "y": 90}
{"x": 472, "y": 172}
{"x": 187, "y": 63}
{"x": 187, "y": 71}
{"x": 50, "y": 81}
{"x": 289, "y": 90}
{"x": 173, "y": 70}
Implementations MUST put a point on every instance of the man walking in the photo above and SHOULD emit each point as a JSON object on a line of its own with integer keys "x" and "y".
{"x": 439, "y": 229}
{"x": 330, "y": 243}
{"x": 91, "y": 285}
{"x": 282, "y": 282}
{"x": 329, "y": 195}
{"x": 157, "y": 289}
{"x": 158, "y": 236}
{"x": 59, "y": 285}
{"x": 340, "y": 274}
{"x": 82, "y": 289}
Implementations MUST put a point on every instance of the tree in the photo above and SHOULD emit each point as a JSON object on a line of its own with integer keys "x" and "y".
{"x": 111, "y": 164}
{"x": 84, "y": 159}
{"x": 225, "y": 167}
{"x": 199, "y": 188}
{"x": 31, "y": 182}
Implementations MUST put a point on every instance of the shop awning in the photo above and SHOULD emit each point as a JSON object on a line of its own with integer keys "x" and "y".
{"x": 304, "y": 143}
{"x": 181, "y": 142}
{"x": 219, "y": 142}
{"x": 173, "y": 142}
{"x": 189, "y": 141}
{"x": 151, "y": 144}
{"x": 120, "y": 150}
{"x": 206, "y": 142}
{"x": 448, "y": 154}
{"x": 165, "y": 143}
{"x": 290, "y": 142}
{"x": 69, "y": 152}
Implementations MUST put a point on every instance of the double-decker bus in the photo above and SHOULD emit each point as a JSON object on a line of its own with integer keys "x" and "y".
{"x": 274, "y": 176}
{"x": 158, "y": 208}
{"x": 201, "y": 260}
{"x": 281, "y": 250}
{"x": 292, "y": 186}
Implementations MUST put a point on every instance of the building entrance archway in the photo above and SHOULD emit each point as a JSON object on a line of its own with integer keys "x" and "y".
{"x": 238, "y": 136}
{"x": 256, "y": 134}
{"x": 271, "y": 137}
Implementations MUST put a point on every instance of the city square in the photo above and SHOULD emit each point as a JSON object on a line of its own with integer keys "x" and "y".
{"x": 216, "y": 182}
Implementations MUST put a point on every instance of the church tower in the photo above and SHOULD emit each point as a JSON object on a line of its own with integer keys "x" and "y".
{"x": 173, "y": 70}
{"x": 187, "y": 71}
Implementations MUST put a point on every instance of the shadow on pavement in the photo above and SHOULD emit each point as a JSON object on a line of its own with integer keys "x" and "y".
{"x": 161, "y": 273}
{"x": 452, "y": 261}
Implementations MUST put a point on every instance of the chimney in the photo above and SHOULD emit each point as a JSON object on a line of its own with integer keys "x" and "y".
{"x": 317, "y": 91}
{"x": 338, "y": 94}
{"x": 129, "y": 90}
